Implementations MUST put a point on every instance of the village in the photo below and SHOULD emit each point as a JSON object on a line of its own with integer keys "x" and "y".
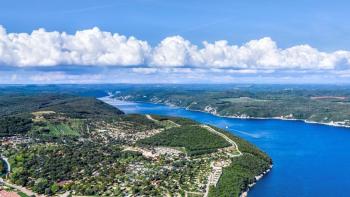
{"x": 162, "y": 167}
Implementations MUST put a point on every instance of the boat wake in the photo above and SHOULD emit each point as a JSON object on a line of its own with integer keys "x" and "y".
{"x": 253, "y": 135}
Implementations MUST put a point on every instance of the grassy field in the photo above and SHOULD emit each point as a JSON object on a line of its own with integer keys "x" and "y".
{"x": 22, "y": 194}
{"x": 62, "y": 130}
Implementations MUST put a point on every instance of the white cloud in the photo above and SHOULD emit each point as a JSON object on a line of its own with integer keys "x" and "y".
{"x": 264, "y": 54}
{"x": 94, "y": 47}
{"x": 88, "y": 47}
{"x": 97, "y": 48}
{"x": 172, "y": 51}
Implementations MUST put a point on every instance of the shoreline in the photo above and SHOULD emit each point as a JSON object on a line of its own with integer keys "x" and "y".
{"x": 332, "y": 123}
{"x": 257, "y": 178}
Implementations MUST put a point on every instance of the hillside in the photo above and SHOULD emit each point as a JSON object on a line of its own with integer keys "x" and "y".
{"x": 321, "y": 104}
{"x": 17, "y": 111}
{"x": 79, "y": 145}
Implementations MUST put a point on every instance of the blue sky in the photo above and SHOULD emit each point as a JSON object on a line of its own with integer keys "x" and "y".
{"x": 284, "y": 32}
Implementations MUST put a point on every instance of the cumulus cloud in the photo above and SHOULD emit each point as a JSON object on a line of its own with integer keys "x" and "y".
{"x": 94, "y": 47}
{"x": 173, "y": 51}
{"x": 88, "y": 47}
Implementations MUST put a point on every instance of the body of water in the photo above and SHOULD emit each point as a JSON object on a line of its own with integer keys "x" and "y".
{"x": 309, "y": 159}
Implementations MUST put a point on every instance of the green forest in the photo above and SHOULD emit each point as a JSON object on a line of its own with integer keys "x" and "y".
{"x": 195, "y": 139}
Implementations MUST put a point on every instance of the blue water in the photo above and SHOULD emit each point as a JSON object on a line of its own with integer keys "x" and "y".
{"x": 309, "y": 159}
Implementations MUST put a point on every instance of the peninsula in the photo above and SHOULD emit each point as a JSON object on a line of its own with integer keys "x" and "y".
{"x": 59, "y": 144}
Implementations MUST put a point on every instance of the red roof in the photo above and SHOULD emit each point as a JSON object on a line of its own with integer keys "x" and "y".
{"x": 4, "y": 193}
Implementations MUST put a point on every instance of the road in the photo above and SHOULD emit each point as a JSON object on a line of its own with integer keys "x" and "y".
{"x": 233, "y": 143}
{"x": 22, "y": 189}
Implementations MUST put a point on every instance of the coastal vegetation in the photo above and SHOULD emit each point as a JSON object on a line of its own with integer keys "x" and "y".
{"x": 243, "y": 170}
{"x": 239, "y": 175}
{"x": 330, "y": 105}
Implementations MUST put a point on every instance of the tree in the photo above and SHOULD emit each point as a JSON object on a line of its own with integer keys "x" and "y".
{"x": 40, "y": 185}
{"x": 54, "y": 188}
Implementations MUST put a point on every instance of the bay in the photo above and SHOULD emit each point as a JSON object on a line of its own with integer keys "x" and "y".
{"x": 309, "y": 159}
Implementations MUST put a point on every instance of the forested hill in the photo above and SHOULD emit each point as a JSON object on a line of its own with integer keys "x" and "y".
{"x": 15, "y": 104}
{"x": 16, "y": 110}
{"x": 321, "y": 104}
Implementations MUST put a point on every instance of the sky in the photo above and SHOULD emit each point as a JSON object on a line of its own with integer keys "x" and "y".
{"x": 183, "y": 41}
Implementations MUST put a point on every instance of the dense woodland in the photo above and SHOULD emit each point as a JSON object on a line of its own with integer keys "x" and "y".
{"x": 11, "y": 125}
{"x": 195, "y": 139}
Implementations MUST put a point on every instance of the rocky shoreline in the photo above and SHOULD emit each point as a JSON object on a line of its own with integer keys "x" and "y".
{"x": 213, "y": 112}
{"x": 257, "y": 178}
